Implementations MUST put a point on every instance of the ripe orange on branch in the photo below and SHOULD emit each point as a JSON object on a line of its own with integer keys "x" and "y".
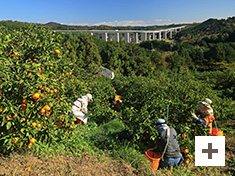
{"x": 186, "y": 160}
{"x": 34, "y": 124}
{"x": 42, "y": 111}
{"x": 32, "y": 140}
{"x": 47, "y": 107}
{"x": 48, "y": 113}
{"x": 23, "y": 106}
{"x": 184, "y": 136}
{"x": 24, "y": 101}
{"x": 36, "y": 96}
{"x": 57, "y": 51}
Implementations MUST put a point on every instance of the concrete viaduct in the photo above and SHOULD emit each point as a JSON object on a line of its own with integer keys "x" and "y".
{"x": 128, "y": 35}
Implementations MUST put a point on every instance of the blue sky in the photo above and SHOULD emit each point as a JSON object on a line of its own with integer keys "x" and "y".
{"x": 115, "y": 12}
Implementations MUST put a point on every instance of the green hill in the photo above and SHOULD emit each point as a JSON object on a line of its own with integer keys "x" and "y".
{"x": 209, "y": 28}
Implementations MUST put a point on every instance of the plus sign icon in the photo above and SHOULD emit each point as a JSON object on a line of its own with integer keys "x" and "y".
{"x": 209, "y": 150}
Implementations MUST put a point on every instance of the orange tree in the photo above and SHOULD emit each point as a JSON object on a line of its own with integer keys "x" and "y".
{"x": 32, "y": 102}
{"x": 79, "y": 82}
{"x": 81, "y": 76}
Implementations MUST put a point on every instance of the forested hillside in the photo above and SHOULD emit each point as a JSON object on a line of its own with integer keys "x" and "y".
{"x": 43, "y": 72}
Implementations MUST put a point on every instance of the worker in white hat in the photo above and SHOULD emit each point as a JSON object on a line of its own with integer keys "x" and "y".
{"x": 79, "y": 109}
{"x": 205, "y": 112}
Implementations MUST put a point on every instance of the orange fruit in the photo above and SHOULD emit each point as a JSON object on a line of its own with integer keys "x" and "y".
{"x": 48, "y": 113}
{"x": 39, "y": 125}
{"x": 15, "y": 116}
{"x": 24, "y": 101}
{"x": 68, "y": 74}
{"x": 32, "y": 140}
{"x": 2, "y": 110}
{"x": 23, "y": 106}
{"x": 186, "y": 150}
{"x": 47, "y": 107}
{"x": 20, "y": 147}
{"x": 28, "y": 168}
{"x": 34, "y": 124}
{"x": 57, "y": 99}
{"x": 42, "y": 111}
{"x": 57, "y": 51}
{"x": 55, "y": 90}
{"x": 184, "y": 136}
{"x": 186, "y": 160}
{"x": 14, "y": 141}
{"x": 30, "y": 74}
{"x": 36, "y": 96}
{"x": 23, "y": 119}
{"x": 40, "y": 70}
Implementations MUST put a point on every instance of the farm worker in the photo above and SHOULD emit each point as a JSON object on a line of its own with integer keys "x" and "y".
{"x": 168, "y": 145}
{"x": 79, "y": 109}
{"x": 205, "y": 112}
{"x": 117, "y": 102}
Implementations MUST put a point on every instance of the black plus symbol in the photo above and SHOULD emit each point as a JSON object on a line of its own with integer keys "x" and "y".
{"x": 209, "y": 150}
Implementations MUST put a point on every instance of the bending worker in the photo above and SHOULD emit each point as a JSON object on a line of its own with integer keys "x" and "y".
{"x": 168, "y": 145}
{"x": 205, "y": 112}
{"x": 79, "y": 109}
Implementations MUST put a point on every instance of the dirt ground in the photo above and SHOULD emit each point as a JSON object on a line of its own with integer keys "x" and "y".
{"x": 61, "y": 165}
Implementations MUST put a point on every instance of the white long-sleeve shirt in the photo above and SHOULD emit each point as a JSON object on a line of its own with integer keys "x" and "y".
{"x": 79, "y": 108}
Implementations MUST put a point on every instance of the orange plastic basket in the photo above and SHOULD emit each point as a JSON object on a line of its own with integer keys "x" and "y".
{"x": 216, "y": 132}
{"x": 153, "y": 158}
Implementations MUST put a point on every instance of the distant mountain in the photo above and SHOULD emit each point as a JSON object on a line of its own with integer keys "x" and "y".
{"x": 57, "y": 26}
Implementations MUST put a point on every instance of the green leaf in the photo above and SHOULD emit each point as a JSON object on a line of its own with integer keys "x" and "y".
{"x": 22, "y": 130}
{"x": 8, "y": 125}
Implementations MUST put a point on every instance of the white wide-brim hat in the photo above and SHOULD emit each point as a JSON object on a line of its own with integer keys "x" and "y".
{"x": 89, "y": 96}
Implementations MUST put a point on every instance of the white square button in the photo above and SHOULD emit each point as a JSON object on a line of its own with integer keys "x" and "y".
{"x": 209, "y": 150}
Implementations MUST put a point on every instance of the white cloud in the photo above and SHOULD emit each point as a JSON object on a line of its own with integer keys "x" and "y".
{"x": 121, "y": 23}
{"x": 78, "y": 24}
{"x": 162, "y": 20}
{"x": 135, "y": 23}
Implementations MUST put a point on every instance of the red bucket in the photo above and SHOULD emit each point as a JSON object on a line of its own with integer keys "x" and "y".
{"x": 216, "y": 132}
{"x": 153, "y": 158}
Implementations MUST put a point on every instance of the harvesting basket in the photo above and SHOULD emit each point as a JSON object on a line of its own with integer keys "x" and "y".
{"x": 216, "y": 132}
{"x": 153, "y": 158}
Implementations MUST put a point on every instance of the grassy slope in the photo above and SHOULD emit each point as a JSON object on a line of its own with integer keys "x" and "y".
{"x": 93, "y": 158}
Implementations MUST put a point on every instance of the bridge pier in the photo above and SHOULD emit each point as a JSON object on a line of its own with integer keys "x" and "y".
{"x": 127, "y": 37}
